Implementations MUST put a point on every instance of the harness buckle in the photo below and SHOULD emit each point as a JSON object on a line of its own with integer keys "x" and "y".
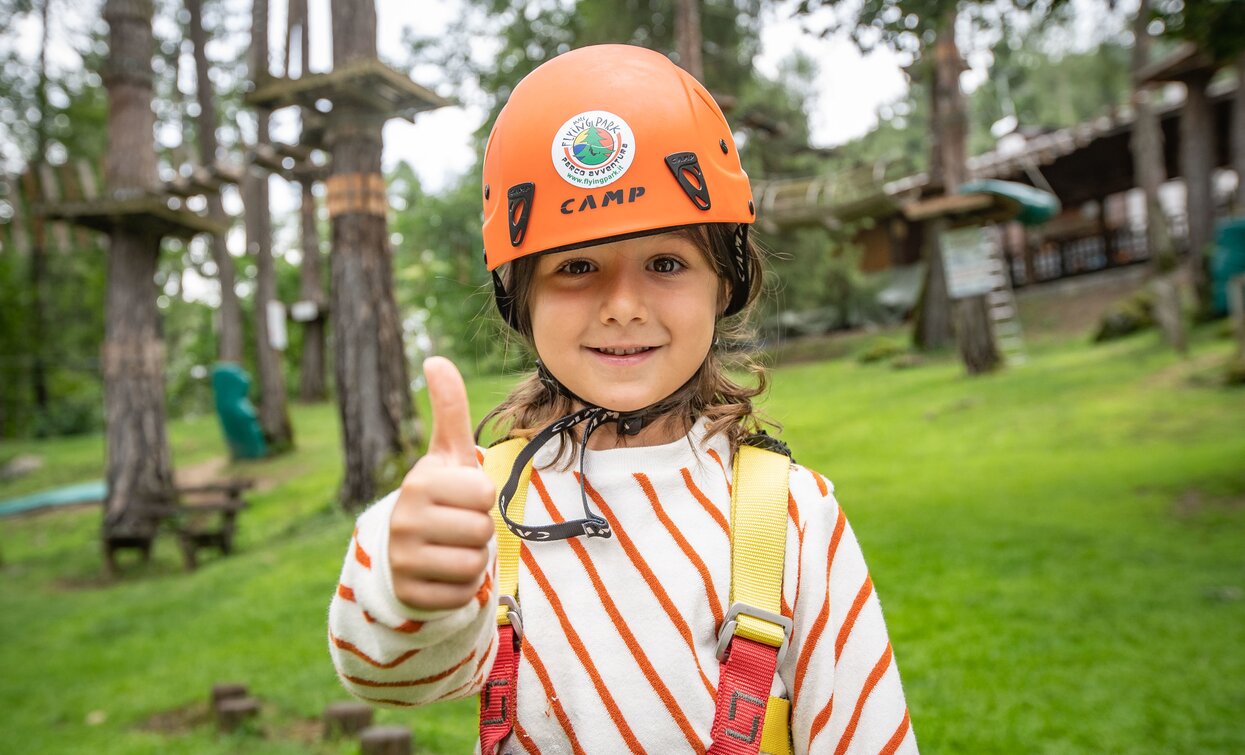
{"x": 731, "y": 621}
{"x": 513, "y": 615}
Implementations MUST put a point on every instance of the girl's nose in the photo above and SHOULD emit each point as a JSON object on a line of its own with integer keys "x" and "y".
{"x": 622, "y": 298}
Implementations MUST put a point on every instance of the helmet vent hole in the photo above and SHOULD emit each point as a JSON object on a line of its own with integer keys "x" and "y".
{"x": 686, "y": 170}
{"x": 722, "y": 143}
{"x": 486, "y": 191}
{"x": 519, "y": 210}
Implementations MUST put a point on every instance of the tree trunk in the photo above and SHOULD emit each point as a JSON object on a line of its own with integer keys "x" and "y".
{"x": 933, "y": 327}
{"x": 975, "y": 335}
{"x": 38, "y": 249}
{"x": 373, "y": 391}
{"x": 229, "y": 338}
{"x": 688, "y": 38}
{"x": 1148, "y": 166}
{"x": 273, "y": 415}
{"x": 1238, "y": 134}
{"x": 312, "y": 384}
{"x": 139, "y": 464}
{"x": 1197, "y": 164}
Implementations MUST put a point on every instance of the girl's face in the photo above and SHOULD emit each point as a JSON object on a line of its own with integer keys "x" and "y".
{"x": 625, "y": 324}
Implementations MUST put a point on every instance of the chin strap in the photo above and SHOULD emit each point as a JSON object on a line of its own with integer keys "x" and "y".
{"x": 593, "y": 524}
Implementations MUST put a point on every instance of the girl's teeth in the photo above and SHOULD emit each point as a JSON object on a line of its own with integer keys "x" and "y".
{"x": 623, "y": 352}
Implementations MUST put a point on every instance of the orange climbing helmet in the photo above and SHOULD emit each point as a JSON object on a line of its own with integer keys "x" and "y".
{"x": 604, "y": 143}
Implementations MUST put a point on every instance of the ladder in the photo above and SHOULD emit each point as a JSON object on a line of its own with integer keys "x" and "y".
{"x": 1001, "y": 301}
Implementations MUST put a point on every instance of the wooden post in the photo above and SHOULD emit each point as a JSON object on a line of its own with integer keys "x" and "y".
{"x": 234, "y": 712}
{"x": 385, "y": 740}
{"x": 346, "y": 718}
{"x": 227, "y": 691}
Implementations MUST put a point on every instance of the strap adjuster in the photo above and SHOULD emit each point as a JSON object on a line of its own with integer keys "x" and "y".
{"x": 513, "y": 615}
{"x": 731, "y": 622}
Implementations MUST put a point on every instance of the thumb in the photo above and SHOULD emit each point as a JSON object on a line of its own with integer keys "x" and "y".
{"x": 451, "y": 414}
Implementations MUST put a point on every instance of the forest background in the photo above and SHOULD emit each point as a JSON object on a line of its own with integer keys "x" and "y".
{"x": 60, "y": 112}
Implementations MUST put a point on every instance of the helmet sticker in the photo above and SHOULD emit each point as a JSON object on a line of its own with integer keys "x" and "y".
{"x": 593, "y": 149}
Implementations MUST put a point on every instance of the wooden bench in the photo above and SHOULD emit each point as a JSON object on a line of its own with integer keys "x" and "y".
{"x": 202, "y": 516}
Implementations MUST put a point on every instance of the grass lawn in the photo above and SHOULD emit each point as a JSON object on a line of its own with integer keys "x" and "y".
{"x": 1060, "y": 551}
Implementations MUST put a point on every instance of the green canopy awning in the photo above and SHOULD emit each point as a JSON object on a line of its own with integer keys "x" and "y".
{"x": 1035, "y": 206}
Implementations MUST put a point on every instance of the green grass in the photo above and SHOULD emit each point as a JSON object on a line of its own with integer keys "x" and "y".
{"x": 1060, "y": 550}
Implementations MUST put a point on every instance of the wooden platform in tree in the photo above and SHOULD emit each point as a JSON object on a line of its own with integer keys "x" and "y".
{"x": 145, "y": 213}
{"x": 367, "y": 84}
{"x": 964, "y": 209}
{"x": 1182, "y": 62}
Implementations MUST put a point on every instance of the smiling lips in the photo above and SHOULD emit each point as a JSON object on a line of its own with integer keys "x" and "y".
{"x": 621, "y": 351}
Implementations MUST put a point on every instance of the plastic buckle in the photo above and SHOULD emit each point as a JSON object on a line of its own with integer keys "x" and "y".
{"x": 513, "y": 615}
{"x": 728, "y": 627}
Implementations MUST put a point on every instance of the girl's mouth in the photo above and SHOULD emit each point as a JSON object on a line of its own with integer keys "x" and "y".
{"x": 622, "y": 351}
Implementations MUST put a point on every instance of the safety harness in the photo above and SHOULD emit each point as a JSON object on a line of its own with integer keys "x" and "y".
{"x": 754, "y": 636}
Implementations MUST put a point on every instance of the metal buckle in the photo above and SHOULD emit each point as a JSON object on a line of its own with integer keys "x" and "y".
{"x": 728, "y": 627}
{"x": 514, "y": 615}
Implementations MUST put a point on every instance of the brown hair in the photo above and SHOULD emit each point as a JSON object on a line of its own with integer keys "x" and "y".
{"x": 710, "y": 392}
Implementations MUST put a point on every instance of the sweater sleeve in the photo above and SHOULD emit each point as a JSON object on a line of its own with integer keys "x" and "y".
{"x": 840, "y": 670}
{"x": 389, "y": 653}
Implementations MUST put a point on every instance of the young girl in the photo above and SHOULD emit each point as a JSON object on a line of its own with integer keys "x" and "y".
{"x": 616, "y": 227}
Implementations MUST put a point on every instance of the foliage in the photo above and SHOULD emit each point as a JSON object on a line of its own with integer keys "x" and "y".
{"x": 1217, "y": 27}
{"x": 1046, "y": 541}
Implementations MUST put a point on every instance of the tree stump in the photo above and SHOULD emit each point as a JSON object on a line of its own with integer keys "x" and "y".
{"x": 385, "y": 740}
{"x": 346, "y": 718}
{"x": 227, "y": 691}
{"x": 234, "y": 712}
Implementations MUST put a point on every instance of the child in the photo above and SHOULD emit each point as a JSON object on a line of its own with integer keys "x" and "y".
{"x": 616, "y": 219}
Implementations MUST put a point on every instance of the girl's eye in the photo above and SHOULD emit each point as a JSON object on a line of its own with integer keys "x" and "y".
{"x": 666, "y": 265}
{"x": 576, "y": 267}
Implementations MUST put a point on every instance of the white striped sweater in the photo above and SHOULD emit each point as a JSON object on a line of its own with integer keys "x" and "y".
{"x": 620, "y": 633}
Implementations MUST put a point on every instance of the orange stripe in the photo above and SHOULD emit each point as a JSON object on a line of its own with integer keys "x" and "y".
{"x": 611, "y": 608}
{"x": 706, "y": 503}
{"x": 485, "y": 590}
{"x": 529, "y": 653}
{"x": 360, "y": 555}
{"x": 874, "y": 676}
{"x": 897, "y": 738}
{"x": 581, "y": 652}
{"x": 850, "y": 620}
{"x": 351, "y": 648}
{"x": 823, "y": 616}
{"x": 387, "y": 701}
{"x": 411, "y": 682}
{"x": 345, "y": 593}
{"x": 409, "y": 627}
{"x": 369, "y": 617}
{"x": 821, "y": 483}
{"x": 725, "y": 477}
{"x": 633, "y": 553}
{"x": 819, "y": 722}
{"x": 479, "y": 456}
{"x": 793, "y": 512}
{"x": 710, "y": 593}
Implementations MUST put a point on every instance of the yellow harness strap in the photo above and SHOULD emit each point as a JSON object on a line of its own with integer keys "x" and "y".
{"x": 498, "y": 462}
{"x": 758, "y": 552}
{"x": 758, "y": 548}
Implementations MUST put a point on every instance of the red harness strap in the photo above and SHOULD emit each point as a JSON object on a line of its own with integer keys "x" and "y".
{"x": 744, "y": 682}
{"x": 497, "y": 699}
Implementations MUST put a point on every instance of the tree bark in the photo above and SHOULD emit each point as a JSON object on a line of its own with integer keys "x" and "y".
{"x": 975, "y": 335}
{"x": 933, "y": 327}
{"x": 38, "y": 249}
{"x": 1148, "y": 166}
{"x": 688, "y": 38}
{"x": 1238, "y": 134}
{"x": 311, "y": 383}
{"x": 229, "y": 338}
{"x": 373, "y": 390}
{"x": 1197, "y": 150}
{"x": 139, "y": 464}
{"x": 274, "y": 417}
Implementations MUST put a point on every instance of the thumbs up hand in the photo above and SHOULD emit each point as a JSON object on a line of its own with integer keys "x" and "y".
{"x": 440, "y": 527}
